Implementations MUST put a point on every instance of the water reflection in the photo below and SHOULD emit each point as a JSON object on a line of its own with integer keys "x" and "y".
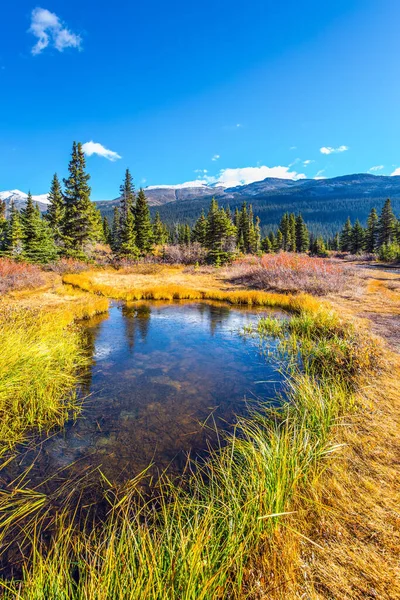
{"x": 159, "y": 370}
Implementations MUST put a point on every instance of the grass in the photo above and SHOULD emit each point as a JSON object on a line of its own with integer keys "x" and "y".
{"x": 203, "y": 539}
{"x": 91, "y": 282}
{"x": 41, "y": 358}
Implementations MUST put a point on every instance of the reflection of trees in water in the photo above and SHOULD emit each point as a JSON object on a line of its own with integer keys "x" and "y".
{"x": 217, "y": 315}
{"x": 90, "y": 334}
{"x": 136, "y": 318}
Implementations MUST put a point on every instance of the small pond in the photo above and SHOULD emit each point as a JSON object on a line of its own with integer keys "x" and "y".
{"x": 163, "y": 376}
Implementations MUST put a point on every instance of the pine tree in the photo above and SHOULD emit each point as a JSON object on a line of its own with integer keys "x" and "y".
{"x": 38, "y": 241}
{"x": 279, "y": 241}
{"x": 106, "y": 231}
{"x": 199, "y": 233}
{"x": 80, "y": 225}
{"x": 127, "y": 229}
{"x": 387, "y": 224}
{"x": 302, "y": 236}
{"x": 15, "y": 234}
{"x": 292, "y": 233}
{"x": 266, "y": 245}
{"x": 115, "y": 239}
{"x": 345, "y": 236}
{"x": 3, "y": 225}
{"x": 285, "y": 231}
{"x": 357, "y": 239}
{"x": 160, "y": 232}
{"x": 372, "y": 233}
{"x": 144, "y": 230}
{"x": 56, "y": 211}
{"x": 221, "y": 234}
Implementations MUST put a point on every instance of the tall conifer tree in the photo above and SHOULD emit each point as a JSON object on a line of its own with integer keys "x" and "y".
{"x": 144, "y": 230}
{"x": 56, "y": 211}
{"x": 81, "y": 223}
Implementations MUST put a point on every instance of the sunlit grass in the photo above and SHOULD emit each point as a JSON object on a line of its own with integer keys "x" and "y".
{"x": 41, "y": 355}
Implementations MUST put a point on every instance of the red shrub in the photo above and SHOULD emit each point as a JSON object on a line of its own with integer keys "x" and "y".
{"x": 68, "y": 265}
{"x": 288, "y": 272}
{"x": 19, "y": 275}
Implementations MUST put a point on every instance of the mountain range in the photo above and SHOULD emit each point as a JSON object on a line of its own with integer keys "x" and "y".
{"x": 324, "y": 203}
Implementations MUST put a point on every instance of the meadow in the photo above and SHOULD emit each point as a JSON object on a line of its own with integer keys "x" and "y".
{"x": 278, "y": 508}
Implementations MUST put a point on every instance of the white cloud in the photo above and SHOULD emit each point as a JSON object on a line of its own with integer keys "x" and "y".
{"x": 307, "y": 162}
{"x": 95, "y": 148}
{"x": 216, "y": 157}
{"x": 293, "y": 148}
{"x": 377, "y": 168}
{"x": 246, "y": 175}
{"x": 242, "y": 176}
{"x": 330, "y": 150}
{"x": 396, "y": 171}
{"x": 319, "y": 174}
{"x": 49, "y": 30}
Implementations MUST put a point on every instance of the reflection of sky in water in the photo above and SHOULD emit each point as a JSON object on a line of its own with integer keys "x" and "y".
{"x": 159, "y": 371}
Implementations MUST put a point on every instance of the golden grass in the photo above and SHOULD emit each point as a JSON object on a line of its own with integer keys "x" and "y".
{"x": 131, "y": 288}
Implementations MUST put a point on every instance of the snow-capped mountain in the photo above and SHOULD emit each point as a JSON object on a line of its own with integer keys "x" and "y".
{"x": 19, "y": 198}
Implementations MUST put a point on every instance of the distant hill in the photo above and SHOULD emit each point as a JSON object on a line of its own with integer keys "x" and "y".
{"x": 325, "y": 203}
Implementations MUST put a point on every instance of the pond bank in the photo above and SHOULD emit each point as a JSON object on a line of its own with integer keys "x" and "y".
{"x": 222, "y": 541}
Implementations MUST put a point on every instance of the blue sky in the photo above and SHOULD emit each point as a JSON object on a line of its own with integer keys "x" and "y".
{"x": 214, "y": 90}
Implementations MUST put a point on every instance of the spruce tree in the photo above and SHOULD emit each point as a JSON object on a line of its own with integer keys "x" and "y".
{"x": 38, "y": 241}
{"x": 80, "y": 225}
{"x": 3, "y": 225}
{"x": 199, "y": 233}
{"x": 127, "y": 230}
{"x": 221, "y": 234}
{"x": 266, "y": 245}
{"x": 302, "y": 236}
{"x": 144, "y": 230}
{"x": 279, "y": 241}
{"x": 56, "y": 211}
{"x": 372, "y": 233}
{"x": 292, "y": 233}
{"x": 357, "y": 239}
{"x": 115, "y": 231}
{"x": 15, "y": 234}
{"x": 106, "y": 231}
{"x": 160, "y": 232}
{"x": 345, "y": 236}
{"x": 387, "y": 224}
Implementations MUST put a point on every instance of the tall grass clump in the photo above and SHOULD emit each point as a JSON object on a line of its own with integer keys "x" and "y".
{"x": 198, "y": 539}
{"x": 41, "y": 355}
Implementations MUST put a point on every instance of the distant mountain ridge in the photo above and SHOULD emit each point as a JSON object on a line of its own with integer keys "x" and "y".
{"x": 324, "y": 203}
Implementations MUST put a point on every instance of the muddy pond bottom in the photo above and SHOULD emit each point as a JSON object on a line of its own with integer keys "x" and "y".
{"x": 163, "y": 377}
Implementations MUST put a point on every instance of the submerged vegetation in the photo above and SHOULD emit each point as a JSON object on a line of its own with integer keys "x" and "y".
{"x": 199, "y": 539}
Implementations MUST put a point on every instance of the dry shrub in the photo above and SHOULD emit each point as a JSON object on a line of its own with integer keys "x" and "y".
{"x": 287, "y": 272}
{"x": 67, "y": 265}
{"x": 145, "y": 268}
{"x": 184, "y": 255}
{"x": 19, "y": 275}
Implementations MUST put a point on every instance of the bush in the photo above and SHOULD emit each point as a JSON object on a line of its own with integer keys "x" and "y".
{"x": 19, "y": 275}
{"x": 287, "y": 272}
{"x": 68, "y": 265}
{"x": 185, "y": 255}
{"x": 389, "y": 252}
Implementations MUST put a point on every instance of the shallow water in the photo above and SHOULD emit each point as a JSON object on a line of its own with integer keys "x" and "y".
{"x": 163, "y": 376}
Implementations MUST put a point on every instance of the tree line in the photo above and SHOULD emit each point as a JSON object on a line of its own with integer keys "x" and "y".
{"x": 72, "y": 226}
{"x": 381, "y": 236}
